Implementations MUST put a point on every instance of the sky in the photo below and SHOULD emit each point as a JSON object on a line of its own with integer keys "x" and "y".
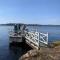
{"x": 30, "y": 11}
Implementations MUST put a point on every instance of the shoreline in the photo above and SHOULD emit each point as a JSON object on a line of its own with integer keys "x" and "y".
{"x": 45, "y": 53}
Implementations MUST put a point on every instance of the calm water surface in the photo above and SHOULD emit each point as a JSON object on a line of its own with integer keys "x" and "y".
{"x": 13, "y": 53}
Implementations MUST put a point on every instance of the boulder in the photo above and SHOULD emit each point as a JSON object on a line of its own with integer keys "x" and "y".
{"x": 29, "y": 54}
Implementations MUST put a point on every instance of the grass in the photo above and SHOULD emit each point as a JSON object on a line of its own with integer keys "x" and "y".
{"x": 56, "y": 43}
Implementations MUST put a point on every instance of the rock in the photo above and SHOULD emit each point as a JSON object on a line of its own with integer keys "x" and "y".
{"x": 25, "y": 56}
{"x": 29, "y": 54}
{"x": 33, "y": 52}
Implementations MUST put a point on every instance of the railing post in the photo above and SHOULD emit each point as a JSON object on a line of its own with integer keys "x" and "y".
{"x": 47, "y": 37}
{"x": 39, "y": 42}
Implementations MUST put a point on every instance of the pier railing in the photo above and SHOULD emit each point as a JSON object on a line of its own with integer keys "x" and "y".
{"x": 33, "y": 37}
{"x": 37, "y": 38}
{"x": 43, "y": 38}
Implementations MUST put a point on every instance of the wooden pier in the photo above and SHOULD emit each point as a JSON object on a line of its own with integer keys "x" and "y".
{"x": 33, "y": 39}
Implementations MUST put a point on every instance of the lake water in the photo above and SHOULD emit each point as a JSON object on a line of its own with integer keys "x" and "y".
{"x": 14, "y": 53}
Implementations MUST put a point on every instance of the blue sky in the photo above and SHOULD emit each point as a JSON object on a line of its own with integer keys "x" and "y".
{"x": 30, "y": 11}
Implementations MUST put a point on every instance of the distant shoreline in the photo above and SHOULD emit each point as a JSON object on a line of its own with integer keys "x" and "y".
{"x": 27, "y": 25}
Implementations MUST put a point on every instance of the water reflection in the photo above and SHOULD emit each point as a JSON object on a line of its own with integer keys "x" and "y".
{"x": 16, "y": 52}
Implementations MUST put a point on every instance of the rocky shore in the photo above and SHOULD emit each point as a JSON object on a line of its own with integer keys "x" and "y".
{"x": 44, "y": 53}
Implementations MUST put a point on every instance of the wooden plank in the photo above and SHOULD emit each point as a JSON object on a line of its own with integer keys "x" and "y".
{"x": 32, "y": 45}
